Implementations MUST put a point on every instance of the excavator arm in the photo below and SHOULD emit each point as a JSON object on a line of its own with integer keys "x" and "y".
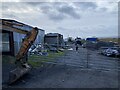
{"x": 26, "y": 44}
{"x": 22, "y": 65}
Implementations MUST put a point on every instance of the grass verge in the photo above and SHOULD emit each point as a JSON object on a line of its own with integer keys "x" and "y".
{"x": 36, "y": 61}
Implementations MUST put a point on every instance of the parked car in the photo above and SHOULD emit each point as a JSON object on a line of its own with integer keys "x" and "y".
{"x": 110, "y": 51}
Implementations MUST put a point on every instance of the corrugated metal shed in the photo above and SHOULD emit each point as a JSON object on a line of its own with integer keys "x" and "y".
{"x": 52, "y": 34}
{"x": 17, "y": 37}
{"x": 55, "y": 39}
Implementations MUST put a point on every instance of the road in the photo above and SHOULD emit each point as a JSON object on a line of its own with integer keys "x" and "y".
{"x": 76, "y": 69}
{"x": 90, "y": 59}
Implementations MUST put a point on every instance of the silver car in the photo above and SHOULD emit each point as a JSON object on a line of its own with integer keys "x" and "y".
{"x": 111, "y": 51}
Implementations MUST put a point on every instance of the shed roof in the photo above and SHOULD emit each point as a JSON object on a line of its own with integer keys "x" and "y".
{"x": 24, "y": 27}
{"x": 52, "y": 34}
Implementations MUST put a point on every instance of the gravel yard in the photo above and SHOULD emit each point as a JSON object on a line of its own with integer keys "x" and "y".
{"x": 82, "y": 69}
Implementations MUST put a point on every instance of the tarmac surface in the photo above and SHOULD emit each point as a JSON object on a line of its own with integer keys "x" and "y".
{"x": 76, "y": 69}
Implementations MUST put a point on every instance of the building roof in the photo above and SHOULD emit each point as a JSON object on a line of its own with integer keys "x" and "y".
{"x": 52, "y": 34}
{"x": 92, "y": 39}
{"x": 24, "y": 27}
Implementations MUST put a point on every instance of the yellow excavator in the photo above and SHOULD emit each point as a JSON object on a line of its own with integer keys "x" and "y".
{"x": 21, "y": 63}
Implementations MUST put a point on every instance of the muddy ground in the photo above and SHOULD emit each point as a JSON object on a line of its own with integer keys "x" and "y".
{"x": 76, "y": 69}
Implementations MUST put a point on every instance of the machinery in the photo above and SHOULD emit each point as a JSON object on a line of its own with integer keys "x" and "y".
{"x": 22, "y": 66}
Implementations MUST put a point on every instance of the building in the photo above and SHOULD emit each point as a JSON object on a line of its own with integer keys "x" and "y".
{"x": 11, "y": 41}
{"x": 54, "y": 39}
{"x": 92, "y": 39}
{"x": 91, "y": 43}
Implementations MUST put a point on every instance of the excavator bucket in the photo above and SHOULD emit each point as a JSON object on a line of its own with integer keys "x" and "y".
{"x": 17, "y": 73}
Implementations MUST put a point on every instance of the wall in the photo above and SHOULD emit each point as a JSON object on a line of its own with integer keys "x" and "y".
{"x": 17, "y": 41}
{"x": 18, "y": 37}
{"x": 54, "y": 39}
{"x": 51, "y": 40}
{"x": 40, "y": 37}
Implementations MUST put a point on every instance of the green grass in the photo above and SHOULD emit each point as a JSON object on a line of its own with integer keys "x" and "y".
{"x": 34, "y": 60}
{"x": 37, "y": 61}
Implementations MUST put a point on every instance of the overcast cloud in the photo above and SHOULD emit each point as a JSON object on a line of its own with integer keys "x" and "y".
{"x": 83, "y": 19}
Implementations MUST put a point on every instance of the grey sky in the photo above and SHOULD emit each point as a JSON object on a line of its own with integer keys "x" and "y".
{"x": 83, "y": 19}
